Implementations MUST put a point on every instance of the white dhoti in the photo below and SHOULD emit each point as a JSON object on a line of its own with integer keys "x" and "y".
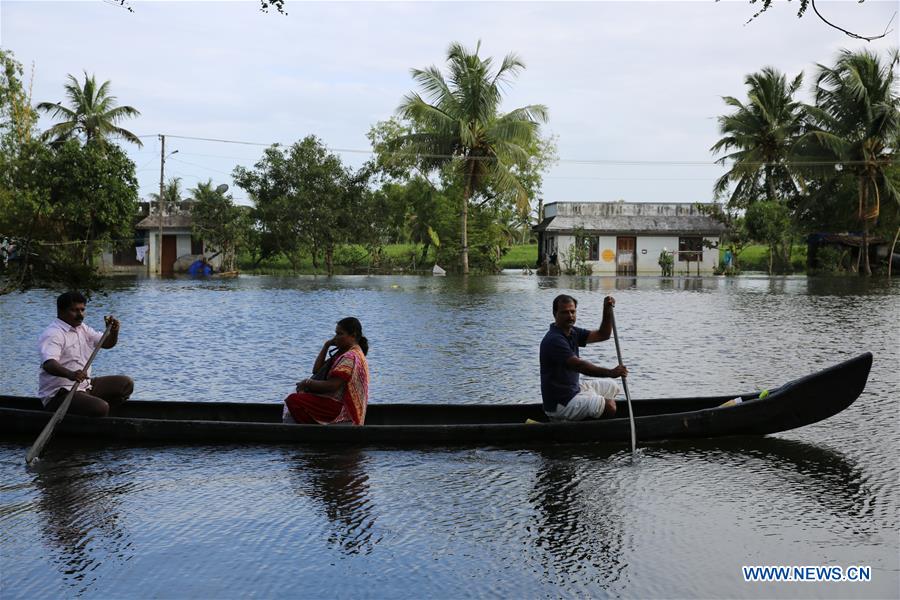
{"x": 589, "y": 402}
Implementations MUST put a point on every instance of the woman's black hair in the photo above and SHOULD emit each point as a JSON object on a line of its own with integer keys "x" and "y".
{"x": 352, "y": 326}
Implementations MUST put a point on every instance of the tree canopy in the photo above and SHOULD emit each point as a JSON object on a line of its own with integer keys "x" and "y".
{"x": 459, "y": 126}
{"x": 93, "y": 113}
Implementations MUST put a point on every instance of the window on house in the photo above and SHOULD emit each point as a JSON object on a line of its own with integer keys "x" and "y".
{"x": 592, "y": 245}
{"x": 550, "y": 245}
{"x": 690, "y": 249}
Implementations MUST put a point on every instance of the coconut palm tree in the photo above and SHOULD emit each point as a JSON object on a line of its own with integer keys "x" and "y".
{"x": 92, "y": 113}
{"x": 759, "y": 137}
{"x": 172, "y": 193}
{"x": 856, "y": 122}
{"x": 461, "y": 126}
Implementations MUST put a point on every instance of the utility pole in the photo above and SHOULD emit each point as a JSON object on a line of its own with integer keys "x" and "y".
{"x": 162, "y": 170}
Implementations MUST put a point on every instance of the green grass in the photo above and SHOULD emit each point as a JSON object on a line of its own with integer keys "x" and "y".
{"x": 354, "y": 258}
{"x": 520, "y": 257}
{"x": 756, "y": 258}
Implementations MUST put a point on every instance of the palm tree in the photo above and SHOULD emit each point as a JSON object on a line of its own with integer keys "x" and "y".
{"x": 856, "y": 122}
{"x": 761, "y": 134}
{"x": 93, "y": 113}
{"x": 461, "y": 127}
{"x": 172, "y": 193}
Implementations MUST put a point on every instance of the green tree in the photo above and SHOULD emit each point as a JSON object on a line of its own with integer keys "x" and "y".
{"x": 856, "y": 123}
{"x": 542, "y": 154}
{"x": 461, "y": 127}
{"x": 171, "y": 194}
{"x": 770, "y": 222}
{"x": 758, "y": 139}
{"x": 388, "y": 163}
{"x": 736, "y": 237}
{"x": 93, "y": 113}
{"x": 61, "y": 205}
{"x": 17, "y": 116}
{"x": 216, "y": 219}
{"x": 304, "y": 200}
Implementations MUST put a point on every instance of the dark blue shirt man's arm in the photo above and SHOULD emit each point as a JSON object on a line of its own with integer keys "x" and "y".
{"x": 605, "y": 330}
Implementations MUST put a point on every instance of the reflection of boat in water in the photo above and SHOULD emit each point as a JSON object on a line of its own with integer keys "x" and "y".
{"x": 800, "y": 402}
{"x": 589, "y": 501}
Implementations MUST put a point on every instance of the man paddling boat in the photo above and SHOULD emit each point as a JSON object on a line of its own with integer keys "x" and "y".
{"x": 566, "y": 396}
{"x": 65, "y": 346}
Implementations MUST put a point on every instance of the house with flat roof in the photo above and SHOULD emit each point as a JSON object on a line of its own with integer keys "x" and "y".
{"x": 178, "y": 244}
{"x": 627, "y": 238}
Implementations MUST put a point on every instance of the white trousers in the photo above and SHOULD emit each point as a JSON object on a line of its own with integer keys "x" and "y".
{"x": 589, "y": 402}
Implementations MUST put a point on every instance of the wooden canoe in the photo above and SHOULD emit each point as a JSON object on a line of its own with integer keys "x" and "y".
{"x": 799, "y": 402}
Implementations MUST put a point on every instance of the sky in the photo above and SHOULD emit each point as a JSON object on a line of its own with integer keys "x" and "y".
{"x": 633, "y": 89}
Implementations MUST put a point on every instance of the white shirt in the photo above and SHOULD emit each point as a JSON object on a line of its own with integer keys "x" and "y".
{"x": 71, "y": 347}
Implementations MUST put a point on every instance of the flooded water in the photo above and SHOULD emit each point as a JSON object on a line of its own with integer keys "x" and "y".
{"x": 680, "y": 520}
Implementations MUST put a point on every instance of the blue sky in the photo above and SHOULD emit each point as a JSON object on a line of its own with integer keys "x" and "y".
{"x": 625, "y": 82}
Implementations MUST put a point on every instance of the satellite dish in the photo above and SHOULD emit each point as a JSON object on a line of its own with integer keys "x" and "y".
{"x": 222, "y": 188}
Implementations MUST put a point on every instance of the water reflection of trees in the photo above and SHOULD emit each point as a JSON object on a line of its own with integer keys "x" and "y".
{"x": 80, "y": 517}
{"x": 338, "y": 483}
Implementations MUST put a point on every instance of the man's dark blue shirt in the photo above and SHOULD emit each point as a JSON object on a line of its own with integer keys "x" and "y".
{"x": 558, "y": 382}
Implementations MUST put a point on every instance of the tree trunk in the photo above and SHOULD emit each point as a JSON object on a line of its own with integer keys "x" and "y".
{"x": 864, "y": 215}
{"x": 788, "y": 253}
{"x": 770, "y": 259}
{"x": 467, "y": 193}
{"x": 891, "y": 253}
{"x": 329, "y": 260}
{"x": 770, "y": 184}
{"x": 865, "y": 247}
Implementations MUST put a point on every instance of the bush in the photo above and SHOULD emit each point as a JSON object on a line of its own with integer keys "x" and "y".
{"x": 350, "y": 255}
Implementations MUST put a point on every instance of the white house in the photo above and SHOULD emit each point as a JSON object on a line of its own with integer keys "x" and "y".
{"x": 628, "y": 237}
{"x": 177, "y": 242}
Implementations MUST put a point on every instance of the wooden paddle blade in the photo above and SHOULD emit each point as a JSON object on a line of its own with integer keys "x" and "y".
{"x": 45, "y": 434}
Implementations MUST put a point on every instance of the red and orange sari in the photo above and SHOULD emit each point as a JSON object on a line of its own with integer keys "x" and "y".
{"x": 347, "y": 405}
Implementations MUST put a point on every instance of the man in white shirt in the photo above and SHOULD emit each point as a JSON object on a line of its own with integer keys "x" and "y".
{"x": 65, "y": 347}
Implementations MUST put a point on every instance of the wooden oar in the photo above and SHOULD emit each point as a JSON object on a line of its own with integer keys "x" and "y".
{"x": 47, "y": 432}
{"x": 612, "y": 317}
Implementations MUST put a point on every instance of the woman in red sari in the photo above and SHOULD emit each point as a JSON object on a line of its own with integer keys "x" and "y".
{"x": 342, "y": 396}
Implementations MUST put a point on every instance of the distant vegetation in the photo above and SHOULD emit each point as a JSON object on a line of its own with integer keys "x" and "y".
{"x": 453, "y": 179}
{"x": 797, "y": 168}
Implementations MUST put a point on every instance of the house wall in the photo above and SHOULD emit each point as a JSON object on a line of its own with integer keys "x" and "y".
{"x": 647, "y": 262}
{"x": 107, "y": 265}
{"x": 182, "y": 246}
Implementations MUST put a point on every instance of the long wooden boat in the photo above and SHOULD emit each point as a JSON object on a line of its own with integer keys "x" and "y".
{"x": 799, "y": 402}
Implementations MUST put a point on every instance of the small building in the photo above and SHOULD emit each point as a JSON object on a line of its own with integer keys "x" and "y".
{"x": 627, "y": 238}
{"x": 849, "y": 248}
{"x": 129, "y": 257}
{"x": 178, "y": 242}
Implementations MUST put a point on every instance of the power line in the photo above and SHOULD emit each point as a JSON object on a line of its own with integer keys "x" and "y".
{"x": 573, "y": 161}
